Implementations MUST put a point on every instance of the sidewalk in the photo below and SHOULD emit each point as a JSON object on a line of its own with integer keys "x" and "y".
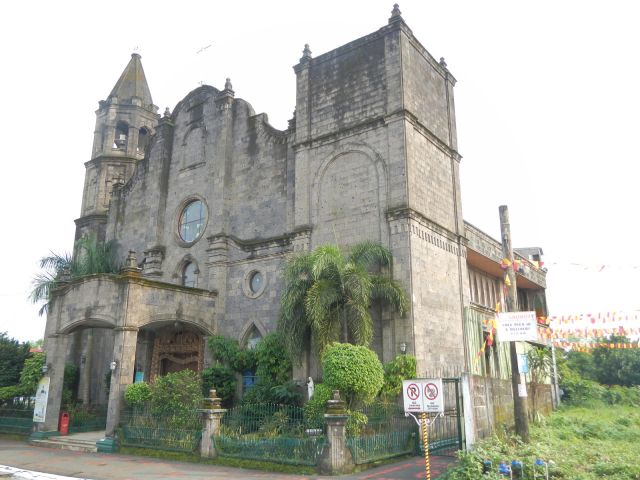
{"x": 97, "y": 466}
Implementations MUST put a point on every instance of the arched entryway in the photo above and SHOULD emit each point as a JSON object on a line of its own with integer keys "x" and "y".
{"x": 164, "y": 348}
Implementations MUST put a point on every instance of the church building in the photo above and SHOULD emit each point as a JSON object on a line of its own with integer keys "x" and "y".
{"x": 208, "y": 201}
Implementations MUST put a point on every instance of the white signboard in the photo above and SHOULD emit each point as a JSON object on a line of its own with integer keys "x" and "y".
{"x": 517, "y": 327}
{"x": 424, "y": 395}
{"x": 42, "y": 395}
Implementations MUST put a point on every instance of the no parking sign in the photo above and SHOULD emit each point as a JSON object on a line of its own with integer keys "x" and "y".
{"x": 424, "y": 395}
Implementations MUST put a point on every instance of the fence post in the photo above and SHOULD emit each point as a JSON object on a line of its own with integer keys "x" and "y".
{"x": 336, "y": 458}
{"x": 211, "y": 417}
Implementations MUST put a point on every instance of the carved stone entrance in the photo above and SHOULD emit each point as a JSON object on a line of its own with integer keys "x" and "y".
{"x": 175, "y": 351}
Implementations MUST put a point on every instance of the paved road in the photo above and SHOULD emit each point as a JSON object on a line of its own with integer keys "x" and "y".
{"x": 97, "y": 466}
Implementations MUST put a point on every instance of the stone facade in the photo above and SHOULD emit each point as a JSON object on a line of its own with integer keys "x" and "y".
{"x": 371, "y": 154}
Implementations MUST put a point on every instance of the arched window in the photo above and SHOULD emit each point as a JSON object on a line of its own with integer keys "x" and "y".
{"x": 252, "y": 338}
{"x": 189, "y": 275}
{"x": 122, "y": 133}
{"x": 143, "y": 140}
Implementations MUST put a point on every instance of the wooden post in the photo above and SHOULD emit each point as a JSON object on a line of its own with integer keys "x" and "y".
{"x": 520, "y": 408}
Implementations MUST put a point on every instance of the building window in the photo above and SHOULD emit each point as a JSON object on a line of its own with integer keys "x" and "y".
{"x": 252, "y": 338}
{"x": 192, "y": 220}
{"x": 255, "y": 282}
{"x": 122, "y": 132}
{"x": 189, "y": 275}
{"x": 143, "y": 140}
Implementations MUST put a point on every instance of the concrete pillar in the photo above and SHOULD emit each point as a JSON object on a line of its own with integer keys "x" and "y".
{"x": 56, "y": 348}
{"x": 336, "y": 458}
{"x": 211, "y": 417}
{"x": 124, "y": 356}
{"x": 84, "y": 387}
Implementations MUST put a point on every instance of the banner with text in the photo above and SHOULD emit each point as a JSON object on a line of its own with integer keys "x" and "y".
{"x": 517, "y": 327}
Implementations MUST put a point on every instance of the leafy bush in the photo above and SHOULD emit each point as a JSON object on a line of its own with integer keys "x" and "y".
{"x": 137, "y": 394}
{"x": 356, "y": 423}
{"x": 223, "y": 380}
{"x": 176, "y": 393}
{"x": 265, "y": 391}
{"x": 354, "y": 370}
{"x": 228, "y": 352}
{"x": 316, "y": 407}
{"x": 12, "y": 357}
{"x": 272, "y": 359}
{"x": 400, "y": 368}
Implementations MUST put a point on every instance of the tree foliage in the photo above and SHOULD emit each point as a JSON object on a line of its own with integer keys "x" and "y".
{"x": 13, "y": 354}
{"x": 355, "y": 370}
{"x": 223, "y": 379}
{"x": 90, "y": 257}
{"x": 401, "y": 368}
{"x": 328, "y": 294}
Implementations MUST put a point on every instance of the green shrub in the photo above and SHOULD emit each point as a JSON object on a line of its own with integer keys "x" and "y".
{"x": 354, "y": 370}
{"x": 401, "y": 368}
{"x": 176, "y": 393}
{"x": 316, "y": 407}
{"x": 223, "y": 380}
{"x": 356, "y": 423}
{"x": 272, "y": 360}
{"x": 137, "y": 394}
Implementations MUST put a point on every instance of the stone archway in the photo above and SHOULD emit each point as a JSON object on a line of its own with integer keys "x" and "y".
{"x": 175, "y": 350}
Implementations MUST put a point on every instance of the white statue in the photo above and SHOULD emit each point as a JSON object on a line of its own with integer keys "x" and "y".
{"x": 310, "y": 388}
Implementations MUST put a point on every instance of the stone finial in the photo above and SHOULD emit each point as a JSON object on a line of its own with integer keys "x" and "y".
{"x": 167, "y": 112}
{"x": 131, "y": 261}
{"x": 131, "y": 264}
{"x": 395, "y": 13}
{"x": 306, "y": 54}
{"x": 65, "y": 274}
{"x": 213, "y": 402}
{"x": 443, "y": 64}
{"x": 335, "y": 405}
{"x": 292, "y": 121}
{"x": 227, "y": 85}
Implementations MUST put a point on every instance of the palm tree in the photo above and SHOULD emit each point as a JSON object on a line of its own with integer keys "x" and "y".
{"x": 328, "y": 295}
{"x": 539, "y": 359}
{"x": 90, "y": 257}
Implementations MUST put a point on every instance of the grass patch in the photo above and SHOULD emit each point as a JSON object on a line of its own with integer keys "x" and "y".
{"x": 229, "y": 462}
{"x": 584, "y": 443}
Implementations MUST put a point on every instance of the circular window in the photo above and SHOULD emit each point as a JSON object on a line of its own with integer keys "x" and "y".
{"x": 255, "y": 282}
{"x": 192, "y": 220}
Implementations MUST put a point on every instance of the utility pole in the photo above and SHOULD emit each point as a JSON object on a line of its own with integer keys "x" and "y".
{"x": 520, "y": 408}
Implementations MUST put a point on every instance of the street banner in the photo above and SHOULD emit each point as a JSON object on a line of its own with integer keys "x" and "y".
{"x": 42, "y": 395}
{"x": 517, "y": 327}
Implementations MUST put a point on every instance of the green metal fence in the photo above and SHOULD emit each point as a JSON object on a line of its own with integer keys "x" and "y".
{"x": 386, "y": 434}
{"x": 268, "y": 432}
{"x": 16, "y": 421}
{"x": 145, "y": 428}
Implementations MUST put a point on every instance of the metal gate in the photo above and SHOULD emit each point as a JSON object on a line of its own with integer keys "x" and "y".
{"x": 446, "y": 435}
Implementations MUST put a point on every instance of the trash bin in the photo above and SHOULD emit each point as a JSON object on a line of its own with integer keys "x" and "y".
{"x": 64, "y": 424}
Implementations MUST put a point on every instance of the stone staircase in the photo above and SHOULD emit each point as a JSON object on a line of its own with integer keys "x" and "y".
{"x": 79, "y": 442}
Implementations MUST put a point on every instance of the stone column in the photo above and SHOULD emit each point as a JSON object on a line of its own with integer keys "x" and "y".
{"x": 124, "y": 356}
{"x": 86, "y": 357}
{"x": 336, "y": 458}
{"x": 56, "y": 348}
{"x": 212, "y": 414}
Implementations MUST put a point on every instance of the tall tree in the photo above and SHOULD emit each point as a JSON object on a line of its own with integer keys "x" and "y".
{"x": 328, "y": 294}
{"x": 12, "y": 357}
{"x": 90, "y": 257}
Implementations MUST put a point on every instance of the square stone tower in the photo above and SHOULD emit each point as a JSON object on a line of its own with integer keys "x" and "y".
{"x": 376, "y": 159}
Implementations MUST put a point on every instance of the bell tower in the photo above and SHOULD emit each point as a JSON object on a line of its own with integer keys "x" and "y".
{"x": 125, "y": 122}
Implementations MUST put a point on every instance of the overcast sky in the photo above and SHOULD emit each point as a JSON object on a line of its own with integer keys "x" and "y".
{"x": 547, "y": 100}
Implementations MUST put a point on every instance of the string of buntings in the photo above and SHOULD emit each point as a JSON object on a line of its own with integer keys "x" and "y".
{"x": 583, "y": 347}
{"x": 600, "y": 317}
{"x": 552, "y": 334}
